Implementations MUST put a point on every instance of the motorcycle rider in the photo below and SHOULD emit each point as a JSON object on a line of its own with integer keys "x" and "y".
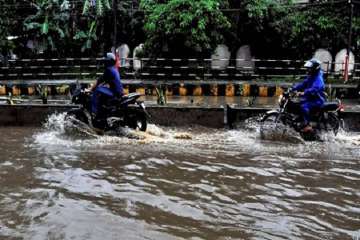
{"x": 107, "y": 87}
{"x": 311, "y": 91}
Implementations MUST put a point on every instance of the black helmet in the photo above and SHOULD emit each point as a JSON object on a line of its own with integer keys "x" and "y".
{"x": 110, "y": 59}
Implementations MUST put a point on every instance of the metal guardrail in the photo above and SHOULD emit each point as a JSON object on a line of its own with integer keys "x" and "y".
{"x": 162, "y": 69}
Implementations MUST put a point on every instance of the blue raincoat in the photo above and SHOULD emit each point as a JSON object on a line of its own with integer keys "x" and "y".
{"x": 111, "y": 77}
{"x": 313, "y": 87}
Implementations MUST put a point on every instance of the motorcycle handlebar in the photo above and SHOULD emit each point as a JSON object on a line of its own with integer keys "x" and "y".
{"x": 287, "y": 93}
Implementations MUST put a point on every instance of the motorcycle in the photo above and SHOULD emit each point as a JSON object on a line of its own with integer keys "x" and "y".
{"x": 323, "y": 119}
{"x": 116, "y": 114}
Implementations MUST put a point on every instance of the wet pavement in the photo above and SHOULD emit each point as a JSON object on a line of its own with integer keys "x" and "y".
{"x": 177, "y": 183}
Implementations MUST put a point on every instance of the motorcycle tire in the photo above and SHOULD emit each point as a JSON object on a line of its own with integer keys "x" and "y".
{"x": 141, "y": 122}
{"x": 138, "y": 121}
{"x": 333, "y": 123}
{"x": 78, "y": 115}
{"x": 266, "y": 121}
{"x": 270, "y": 118}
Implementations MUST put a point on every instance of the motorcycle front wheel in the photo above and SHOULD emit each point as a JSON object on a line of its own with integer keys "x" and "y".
{"x": 78, "y": 115}
{"x": 268, "y": 121}
{"x": 333, "y": 123}
{"x": 270, "y": 118}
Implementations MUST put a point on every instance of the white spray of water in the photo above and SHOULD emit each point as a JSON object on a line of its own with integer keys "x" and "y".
{"x": 56, "y": 132}
{"x": 61, "y": 131}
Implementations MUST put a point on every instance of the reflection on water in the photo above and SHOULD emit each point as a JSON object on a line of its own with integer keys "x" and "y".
{"x": 210, "y": 184}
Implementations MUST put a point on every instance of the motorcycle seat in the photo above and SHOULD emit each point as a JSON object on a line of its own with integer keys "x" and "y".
{"x": 130, "y": 95}
{"x": 330, "y": 106}
{"x": 125, "y": 99}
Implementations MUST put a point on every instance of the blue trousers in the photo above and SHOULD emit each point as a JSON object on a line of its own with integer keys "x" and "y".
{"x": 100, "y": 93}
{"x": 306, "y": 107}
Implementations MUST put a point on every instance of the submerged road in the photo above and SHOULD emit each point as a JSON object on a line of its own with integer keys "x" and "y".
{"x": 176, "y": 183}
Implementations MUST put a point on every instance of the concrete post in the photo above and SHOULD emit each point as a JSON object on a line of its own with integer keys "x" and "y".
{"x": 16, "y": 91}
{"x": 230, "y": 90}
{"x": 182, "y": 90}
{"x": 169, "y": 91}
{"x": 214, "y": 90}
{"x": 126, "y": 90}
{"x": 263, "y": 91}
{"x": 2, "y": 90}
{"x": 246, "y": 90}
{"x": 197, "y": 91}
{"x": 141, "y": 90}
{"x": 31, "y": 90}
{"x": 278, "y": 91}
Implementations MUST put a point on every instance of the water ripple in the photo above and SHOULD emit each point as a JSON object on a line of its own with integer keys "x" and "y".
{"x": 216, "y": 184}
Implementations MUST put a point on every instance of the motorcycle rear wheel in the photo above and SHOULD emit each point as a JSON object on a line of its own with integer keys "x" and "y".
{"x": 141, "y": 122}
{"x": 138, "y": 121}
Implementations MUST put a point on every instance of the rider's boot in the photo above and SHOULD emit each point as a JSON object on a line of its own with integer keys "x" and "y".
{"x": 97, "y": 122}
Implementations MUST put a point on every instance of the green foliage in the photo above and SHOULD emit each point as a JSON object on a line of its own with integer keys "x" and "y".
{"x": 356, "y": 32}
{"x": 308, "y": 29}
{"x": 99, "y": 9}
{"x": 258, "y": 9}
{"x": 49, "y": 25}
{"x": 257, "y": 23}
{"x": 273, "y": 28}
{"x": 87, "y": 37}
{"x": 7, "y": 25}
{"x": 93, "y": 14}
{"x": 183, "y": 24}
{"x": 286, "y": 29}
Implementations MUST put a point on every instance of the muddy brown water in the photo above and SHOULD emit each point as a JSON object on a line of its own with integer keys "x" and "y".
{"x": 189, "y": 183}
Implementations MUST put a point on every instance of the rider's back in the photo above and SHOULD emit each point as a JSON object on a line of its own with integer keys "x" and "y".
{"x": 112, "y": 77}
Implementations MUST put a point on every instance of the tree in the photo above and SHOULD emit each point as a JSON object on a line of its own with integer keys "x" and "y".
{"x": 130, "y": 23}
{"x": 285, "y": 29}
{"x": 7, "y": 26}
{"x": 183, "y": 26}
{"x": 93, "y": 12}
{"x": 254, "y": 23}
{"x": 49, "y": 26}
{"x": 311, "y": 28}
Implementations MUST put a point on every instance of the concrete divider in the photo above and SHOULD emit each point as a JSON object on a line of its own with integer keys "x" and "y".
{"x": 187, "y": 116}
{"x": 219, "y": 117}
{"x": 351, "y": 120}
{"x": 37, "y": 114}
{"x": 28, "y": 115}
{"x": 236, "y": 115}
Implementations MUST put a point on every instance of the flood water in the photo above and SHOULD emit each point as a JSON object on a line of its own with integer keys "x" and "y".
{"x": 177, "y": 183}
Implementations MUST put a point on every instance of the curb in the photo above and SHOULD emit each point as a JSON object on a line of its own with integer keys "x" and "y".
{"x": 229, "y": 89}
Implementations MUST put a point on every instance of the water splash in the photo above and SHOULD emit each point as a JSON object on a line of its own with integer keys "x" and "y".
{"x": 60, "y": 130}
{"x": 201, "y": 141}
{"x": 56, "y": 122}
{"x": 280, "y": 132}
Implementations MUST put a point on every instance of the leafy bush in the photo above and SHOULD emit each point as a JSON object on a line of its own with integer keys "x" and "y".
{"x": 179, "y": 25}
